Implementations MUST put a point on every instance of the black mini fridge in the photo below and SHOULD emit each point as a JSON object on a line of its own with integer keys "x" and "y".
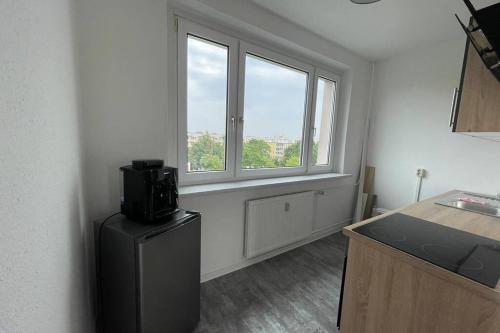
{"x": 149, "y": 275}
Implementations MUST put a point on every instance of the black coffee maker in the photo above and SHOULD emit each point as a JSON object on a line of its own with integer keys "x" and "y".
{"x": 148, "y": 191}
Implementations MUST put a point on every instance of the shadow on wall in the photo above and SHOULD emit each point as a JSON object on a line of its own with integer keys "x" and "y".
{"x": 82, "y": 272}
{"x": 81, "y": 275}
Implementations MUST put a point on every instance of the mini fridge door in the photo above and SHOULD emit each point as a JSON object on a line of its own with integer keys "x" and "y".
{"x": 169, "y": 279}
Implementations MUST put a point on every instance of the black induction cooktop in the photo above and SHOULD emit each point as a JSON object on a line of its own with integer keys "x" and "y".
{"x": 472, "y": 256}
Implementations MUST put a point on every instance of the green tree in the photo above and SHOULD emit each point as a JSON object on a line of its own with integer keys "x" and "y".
{"x": 293, "y": 161}
{"x": 257, "y": 154}
{"x": 211, "y": 162}
{"x": 206, "y": 154}
{"x": 315, "y": 153}
{"x": 292, "y": 151}
{"x": 291, "y": 155}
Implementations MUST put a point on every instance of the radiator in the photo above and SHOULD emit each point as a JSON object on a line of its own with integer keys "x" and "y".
{"x": 274, "y": 222}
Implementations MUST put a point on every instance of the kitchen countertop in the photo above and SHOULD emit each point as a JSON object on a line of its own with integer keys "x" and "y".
{"x": 474, "y": 223}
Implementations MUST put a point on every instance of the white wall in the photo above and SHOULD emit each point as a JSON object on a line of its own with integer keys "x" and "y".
{"x": 123, "y": 61}
{"x": 128, "y": 115}
{"x": 223, "y": 214}
{"x": 259, "y": 25}
{"x": 43, "y": 280}
{"x": 119, "y": 98}
{"x": 411, "y": 110}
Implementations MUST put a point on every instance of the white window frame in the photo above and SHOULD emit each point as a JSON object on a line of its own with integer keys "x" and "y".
{"x": 237, "y": 50}
{"x": 327, "y": 75}
{"x": 186, "y": 28}
{"x": 247, "y": 48}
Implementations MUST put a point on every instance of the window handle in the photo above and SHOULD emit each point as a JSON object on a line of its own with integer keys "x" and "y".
{"x": 241, "y": 120}
{"x": 233, "y": 123}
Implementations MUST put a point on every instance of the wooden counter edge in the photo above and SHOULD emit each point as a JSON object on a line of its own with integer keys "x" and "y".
{"x": 348, "y": 230}
{"x": 462, "y": 282}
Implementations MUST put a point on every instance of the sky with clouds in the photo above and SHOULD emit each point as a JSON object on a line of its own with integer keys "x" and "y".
{"x": 274, "y": 95}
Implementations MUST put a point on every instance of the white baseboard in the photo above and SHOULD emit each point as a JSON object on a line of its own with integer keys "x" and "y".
{"x": 316, "y": 234}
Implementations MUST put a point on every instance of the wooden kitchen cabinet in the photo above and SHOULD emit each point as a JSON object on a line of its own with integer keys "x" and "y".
{"x": 387, "y": 290}
{"x": 476, "y": 109}
{"x": 386, "y": 293}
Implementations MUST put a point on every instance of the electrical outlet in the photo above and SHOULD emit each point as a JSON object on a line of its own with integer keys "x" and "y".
{"x": 421, "y": 172}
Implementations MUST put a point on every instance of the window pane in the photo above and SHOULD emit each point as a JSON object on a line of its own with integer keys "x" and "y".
{"x": 207, "y": 75}
{"x": 275, "y": 99}
{"x": 323, "y": 122}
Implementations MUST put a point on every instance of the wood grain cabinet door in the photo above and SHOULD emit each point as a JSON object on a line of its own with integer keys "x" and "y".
{"x": 478, "y": 107}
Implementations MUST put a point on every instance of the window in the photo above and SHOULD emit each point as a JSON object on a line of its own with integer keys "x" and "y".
{"x": 323, "y": 121}
{"x": 207, "y": 73}
{"x": 207, "y": 103}
{"x": 246, "y": 111}
{"x": 275, "y": 102}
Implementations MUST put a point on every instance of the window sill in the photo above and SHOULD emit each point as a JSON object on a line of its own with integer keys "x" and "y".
{"x": 193, "y": 190}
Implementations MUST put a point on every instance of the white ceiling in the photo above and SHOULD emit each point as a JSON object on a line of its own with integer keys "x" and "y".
{"x": 378, "y": 30}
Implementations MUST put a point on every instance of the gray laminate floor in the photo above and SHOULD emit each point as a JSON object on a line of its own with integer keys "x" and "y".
{"x": 297, "y": 291}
